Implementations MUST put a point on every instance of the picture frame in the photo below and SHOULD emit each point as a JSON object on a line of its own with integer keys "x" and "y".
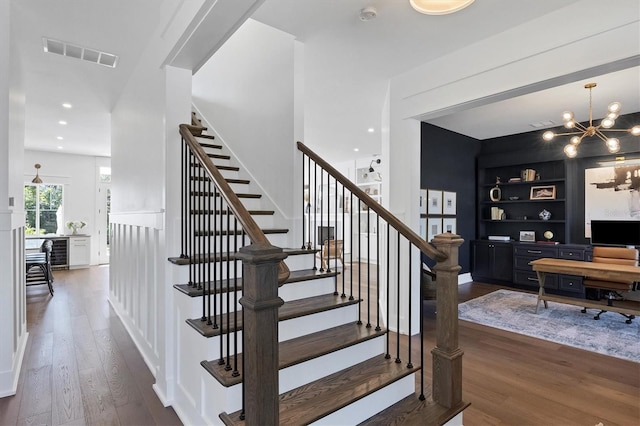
{"x": 434, "y": 202}
{"x": 434, "y": 227}
{"x": 423, "y": 229}
{"x": 547, "y": 192}
{"x": 528, "y": 236}
{"x": 449, "y": 225}
{"x": 423, "y": 201}
{"x": 448, "y": 203}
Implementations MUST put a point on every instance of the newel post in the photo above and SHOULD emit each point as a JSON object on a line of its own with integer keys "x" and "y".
{"x": 260, "y": 304}
{"x": 447, "y": 356}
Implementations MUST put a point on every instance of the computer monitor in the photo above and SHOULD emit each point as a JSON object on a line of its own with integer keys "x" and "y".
{"x": 615, "y": 232}
{"x": 325, "y": 233}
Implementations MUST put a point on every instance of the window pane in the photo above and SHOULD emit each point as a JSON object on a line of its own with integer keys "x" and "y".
{"x": 30, "y": 209}
{"x": 50, "y": 200}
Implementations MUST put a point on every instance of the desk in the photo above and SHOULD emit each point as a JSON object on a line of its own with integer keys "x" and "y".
{"x": 606, "y": 271}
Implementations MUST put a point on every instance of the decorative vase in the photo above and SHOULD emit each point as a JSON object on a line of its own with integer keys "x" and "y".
{"x": 495, "y": 193}
{"x": 544, "y": 215}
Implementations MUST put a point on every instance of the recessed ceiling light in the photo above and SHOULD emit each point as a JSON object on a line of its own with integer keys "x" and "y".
{"x": 356, "y": 149}
{"x": 59, "y": 138}
{"x": 62, "y": 122}
{"x": 67, "y": 105}
{"x": 60, "y": 147}
{"x": 371, "y": 130}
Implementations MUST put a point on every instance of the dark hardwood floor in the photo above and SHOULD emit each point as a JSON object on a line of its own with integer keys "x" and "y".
{"x": 81, "y": 367}
{"x": 512, "y": 379}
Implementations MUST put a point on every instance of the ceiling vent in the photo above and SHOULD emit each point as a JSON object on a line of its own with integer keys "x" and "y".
{"x": 83, "y": 53}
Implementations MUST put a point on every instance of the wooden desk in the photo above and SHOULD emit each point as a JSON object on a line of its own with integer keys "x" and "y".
{"x": 598, "y": 270}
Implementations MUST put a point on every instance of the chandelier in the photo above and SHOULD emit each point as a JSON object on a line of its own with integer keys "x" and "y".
{"x": 613, "y": 144}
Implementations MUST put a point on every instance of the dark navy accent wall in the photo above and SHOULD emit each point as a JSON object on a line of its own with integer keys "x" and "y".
{"x": 448, "y": 162}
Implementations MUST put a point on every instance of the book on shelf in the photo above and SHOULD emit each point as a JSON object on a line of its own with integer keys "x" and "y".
{"x": 497, "y": 213}
{"x": 548, "y": 242}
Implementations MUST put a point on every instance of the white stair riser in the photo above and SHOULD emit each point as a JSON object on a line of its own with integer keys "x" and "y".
{"x": 310, "y": 288}
{"x": 218, "y": 399}
{"x": 236, "y": 242}
{"x": 370, "y": 405}
{"x": 314, "y": 369}
{"x": 300, "y": 261}
{"x": 219, "y": 222}
{"x": 209, "y": 348}
{"x": 297, "y": 327}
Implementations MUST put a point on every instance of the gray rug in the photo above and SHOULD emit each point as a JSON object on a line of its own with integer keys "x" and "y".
{"x": 560, "y": 323}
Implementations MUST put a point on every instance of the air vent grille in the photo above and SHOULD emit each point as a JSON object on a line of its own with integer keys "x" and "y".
{"x": 83, "y": 53}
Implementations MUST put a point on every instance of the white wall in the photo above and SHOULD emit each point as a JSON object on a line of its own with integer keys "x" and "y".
{"x": 246, "y": 92}
{"x": 79, "y": 175}
{"x": 13, "y": 319}
{"x": 145, "y": 150}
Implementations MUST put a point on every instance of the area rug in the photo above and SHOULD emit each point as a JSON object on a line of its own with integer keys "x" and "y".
{"x": 565, "y": 324}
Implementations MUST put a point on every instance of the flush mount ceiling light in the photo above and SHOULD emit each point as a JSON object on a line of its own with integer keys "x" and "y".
{"x": 439, "y": 7}
{"x": 83, "y": 53}
{"x": 613, "y": 144}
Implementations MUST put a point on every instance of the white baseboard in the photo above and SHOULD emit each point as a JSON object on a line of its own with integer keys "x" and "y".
{"x": 464, "y": 278}
{"x": 9, "y": 379}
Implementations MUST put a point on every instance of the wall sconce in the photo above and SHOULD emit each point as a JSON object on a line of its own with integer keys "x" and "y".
{"x": 37, "y": 178}
{"x": 377, "y": 161}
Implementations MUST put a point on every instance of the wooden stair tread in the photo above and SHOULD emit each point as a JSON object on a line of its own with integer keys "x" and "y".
{"x": 315, "y": 400}
{"x": 219, "y": 156}
{"x": 209, "y": 145}
{"x": 300, "y": 349}
{"x": 224, "y": 212}
{"x": 239, "y": 232}
{"x": 293, "y": 309}
{"x": 229, "y": 180}
{"x": 205, "y": 136}
{"x": 220, "y": 167}
{"x": 208, "y": 257}
{"x": 412, "y": 411}
{"x": 211, "y": 194}
{"x": 221, "y": 286}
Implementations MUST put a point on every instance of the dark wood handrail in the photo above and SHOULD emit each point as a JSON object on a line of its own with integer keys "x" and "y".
{"x": 253, "y": 231}
{"x": 403, "y": 229}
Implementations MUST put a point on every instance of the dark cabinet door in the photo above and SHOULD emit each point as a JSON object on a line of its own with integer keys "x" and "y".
{"x": 502, "y": 262}
{"x": 482, "y": 260}
{"x": 492, "y": 261}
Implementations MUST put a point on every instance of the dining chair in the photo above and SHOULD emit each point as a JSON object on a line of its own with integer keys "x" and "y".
{"x": 38, "y": 266}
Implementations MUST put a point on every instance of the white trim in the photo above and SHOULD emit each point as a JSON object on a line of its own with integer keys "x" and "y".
{"x": 145, "y": 219}
{"x": 6, "y": 376}
{"x": 464, "y": 278}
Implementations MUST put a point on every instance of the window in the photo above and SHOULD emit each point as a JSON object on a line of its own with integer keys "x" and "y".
{"x": 105, "y": 174}
{"x": 41, "y": 203}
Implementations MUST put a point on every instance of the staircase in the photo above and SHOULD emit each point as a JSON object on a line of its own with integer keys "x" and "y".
{"x": 335, "y": 365}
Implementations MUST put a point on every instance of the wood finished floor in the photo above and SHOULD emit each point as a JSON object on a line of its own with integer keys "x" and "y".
{"x": 81, "y": 367}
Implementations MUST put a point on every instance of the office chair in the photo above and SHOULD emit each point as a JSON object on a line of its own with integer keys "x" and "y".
{"x": 38, "y": 266}
{"x": 612, "y": 288}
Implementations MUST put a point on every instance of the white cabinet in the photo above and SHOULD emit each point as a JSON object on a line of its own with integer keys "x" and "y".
{"x": 79, "y": 251}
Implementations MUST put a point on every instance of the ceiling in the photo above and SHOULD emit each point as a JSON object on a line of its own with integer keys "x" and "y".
{"x": 348, "y": 63}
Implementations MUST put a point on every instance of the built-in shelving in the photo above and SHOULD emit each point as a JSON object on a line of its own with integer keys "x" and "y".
{"x": 521, "y": 212}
